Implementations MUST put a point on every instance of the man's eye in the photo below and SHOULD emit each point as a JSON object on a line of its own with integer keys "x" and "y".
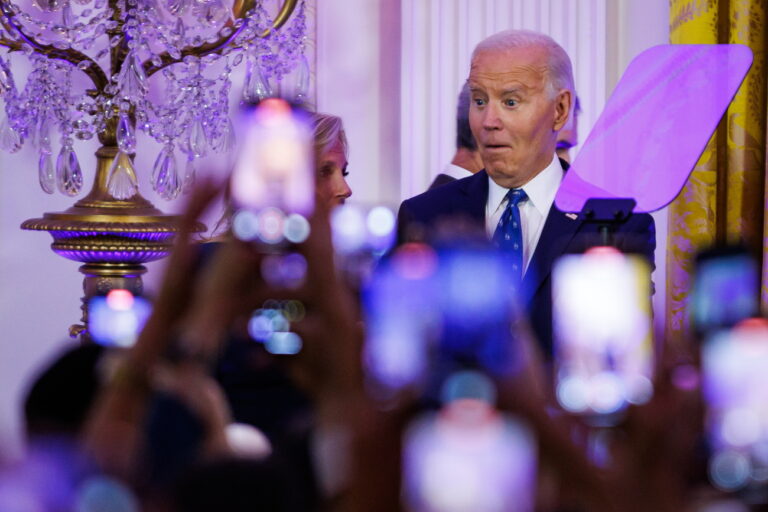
{"x": 479, "y": 102}
{"x": 510, "y": 102}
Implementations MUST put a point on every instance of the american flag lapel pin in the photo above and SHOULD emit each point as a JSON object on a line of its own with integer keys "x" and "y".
{"x": 572, "y": 216}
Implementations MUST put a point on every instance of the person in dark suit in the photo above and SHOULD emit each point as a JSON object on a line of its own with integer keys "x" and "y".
{"x": 466, "y": 161}
{"x": 521, "y": 85}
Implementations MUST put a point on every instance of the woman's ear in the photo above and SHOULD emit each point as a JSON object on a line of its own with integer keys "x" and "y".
{"x": 563, "y": 107}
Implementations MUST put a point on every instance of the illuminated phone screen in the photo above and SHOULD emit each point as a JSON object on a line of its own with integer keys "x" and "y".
{"x": 725, "y": 289}
{"x": 117, "y": 319}
{"x": 603, "y": 335}
{"x": 432, "y": 312}
{"x": 273, "y": 179}
{"x": 469, "y": 457}
{"x": 735, "y": 387}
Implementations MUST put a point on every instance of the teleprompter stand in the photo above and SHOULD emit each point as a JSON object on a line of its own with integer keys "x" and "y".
{"x": 608, "y": 214}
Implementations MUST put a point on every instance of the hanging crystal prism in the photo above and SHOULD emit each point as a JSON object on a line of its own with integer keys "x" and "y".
{"x": 126, "y": 135}
{"x": 9, "y": 138}
{"x": 132, "y": 78}
{"x": 189, "y": 176}
{"x": 302, "y": 79}
{"x": 48, "y": 5}
{"x": 165, "y": 175}
{"x": 6, "y": 81}
{"x": 69, "y": 177}
{"x": 225, "y": 142}
{"x": 67, "y": 16}
{"x": 177, "y": 7}
{"x": 256, "y": 87}
{"x": 198, "y": 143}
{"x": 45, "y": 172}
{"x": 42, "y": 138}
{"x": 122, "y": 182}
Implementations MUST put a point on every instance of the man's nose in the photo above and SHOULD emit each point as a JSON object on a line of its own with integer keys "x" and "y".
{"x": 491, "y": 119}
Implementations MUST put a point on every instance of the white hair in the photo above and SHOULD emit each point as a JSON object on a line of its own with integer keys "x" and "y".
{"x": 559, "y": 69}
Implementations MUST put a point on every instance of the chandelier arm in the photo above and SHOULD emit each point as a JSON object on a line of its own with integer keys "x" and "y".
{"x": 282, "y": 16}
{"x": 74, "y": 57}
{"x": 240, "y": 7}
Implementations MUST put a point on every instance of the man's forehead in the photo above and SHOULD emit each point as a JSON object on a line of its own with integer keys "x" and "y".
{"x": 525, "y": 66}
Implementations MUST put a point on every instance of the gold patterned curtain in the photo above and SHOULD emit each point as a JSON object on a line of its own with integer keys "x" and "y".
{"x": 724, "y": 200}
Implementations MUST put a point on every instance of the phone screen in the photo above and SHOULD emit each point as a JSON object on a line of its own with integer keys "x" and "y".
{"x": 735, "y": 387}
{"x": 469, "y": 456}
{"x": 603, "y": 336}
{"x": 725, "y": 289}
{"x": 432, "y": 312}
{"x": 116, "y": 319}
{"x": 273, "y": 177}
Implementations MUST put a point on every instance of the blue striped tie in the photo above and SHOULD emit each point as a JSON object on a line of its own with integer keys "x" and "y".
{"x": 509, "y": 234}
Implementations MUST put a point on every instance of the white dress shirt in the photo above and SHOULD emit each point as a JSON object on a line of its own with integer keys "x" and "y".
{"x": 456, "y": 172}
{"x": 541, "y": 191}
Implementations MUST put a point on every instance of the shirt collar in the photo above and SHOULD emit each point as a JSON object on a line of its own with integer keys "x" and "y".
{"x": 541, "y": 189}
{"x": 455, "y": 171}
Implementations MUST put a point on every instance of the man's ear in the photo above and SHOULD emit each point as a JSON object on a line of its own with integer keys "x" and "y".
{"x": 563, "y": 107}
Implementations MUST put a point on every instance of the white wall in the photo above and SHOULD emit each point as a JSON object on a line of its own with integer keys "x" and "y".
{"x": 358, "y": 78}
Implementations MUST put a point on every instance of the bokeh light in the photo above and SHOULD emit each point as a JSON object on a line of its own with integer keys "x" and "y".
{"x": 380, "y": 221}
{"x": 271, "y": 222}
{"x": 741, "y": 427}
{"x": 296, "y": 228}
{"x": 245, "y": 225}
{"x": 729, "y": 470}
{"x": 468, "y": 385}
{"x": 120, "y": 300}
{"x": 348, "y": 228}
{"x": 284, "y": 270}
{"x": 415, "y": 261}
{"x": 101, "y": 493}
{"x": 283, "y": 343}
{"x": 573, "y": 393}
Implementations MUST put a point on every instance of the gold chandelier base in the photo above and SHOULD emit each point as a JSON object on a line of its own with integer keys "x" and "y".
{"x": 112, "y": 237}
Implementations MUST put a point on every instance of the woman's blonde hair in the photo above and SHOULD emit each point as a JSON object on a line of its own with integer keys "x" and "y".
{"x": 327, "y": 131}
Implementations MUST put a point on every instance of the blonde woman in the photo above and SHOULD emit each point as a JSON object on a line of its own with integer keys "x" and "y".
{"x": 330, "y": 159}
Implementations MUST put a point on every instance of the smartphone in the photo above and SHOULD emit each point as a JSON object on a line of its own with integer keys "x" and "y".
{"x": 735, "y": 388}
{"x": 116, "y": 319}
{"x": 725, "y": 288}
{"x": 469, "y": 456}
{"x": 273, "y": 178}
{"x": 601, "y": 310}
{"x": 432, "y": 312}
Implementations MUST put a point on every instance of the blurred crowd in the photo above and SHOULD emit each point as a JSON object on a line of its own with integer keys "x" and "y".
{"x": 199, "y": 414}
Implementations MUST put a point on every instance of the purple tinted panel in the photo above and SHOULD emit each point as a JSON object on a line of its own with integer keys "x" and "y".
{"x": 655, "y": 125}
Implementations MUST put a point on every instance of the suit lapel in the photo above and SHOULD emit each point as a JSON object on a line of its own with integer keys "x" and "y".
{"x": 558, "y": 231}
{"x": 475, "y": 190}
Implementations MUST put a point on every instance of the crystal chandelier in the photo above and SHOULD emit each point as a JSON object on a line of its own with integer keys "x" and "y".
{"x": 121, "y": 45}
{"x": 161, "y": 68}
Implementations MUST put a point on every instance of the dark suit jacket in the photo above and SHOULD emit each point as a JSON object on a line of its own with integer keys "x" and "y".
{"x": 441, "y": 179}
{"x": 466, "y": 198}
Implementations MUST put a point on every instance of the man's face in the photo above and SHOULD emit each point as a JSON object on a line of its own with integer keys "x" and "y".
{"x": 513, "y": 114}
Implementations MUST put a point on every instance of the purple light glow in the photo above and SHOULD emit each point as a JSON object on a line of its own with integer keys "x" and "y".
{"x": 655, "y": 125}
{"x": 116, "y": 256}
{"x": 148, "y": 236}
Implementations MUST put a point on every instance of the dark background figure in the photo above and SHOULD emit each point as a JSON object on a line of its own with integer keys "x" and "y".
{"x": 568, "y": 137}
{"x": 466, "y": 161}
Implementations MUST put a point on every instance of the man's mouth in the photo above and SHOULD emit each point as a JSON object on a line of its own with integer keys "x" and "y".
{"x": 496, "y": 147}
